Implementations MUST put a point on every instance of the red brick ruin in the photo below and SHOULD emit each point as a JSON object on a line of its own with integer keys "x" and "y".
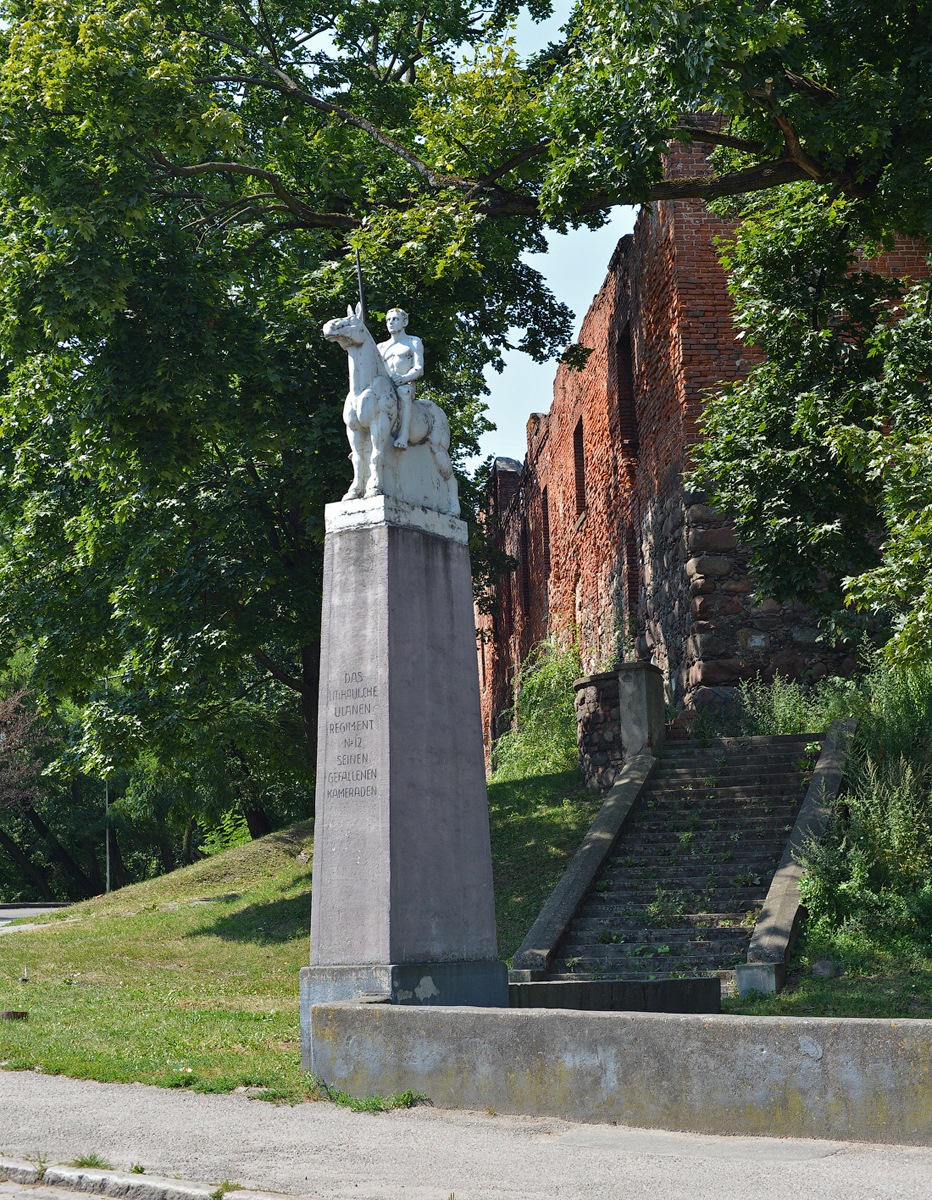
{"x": 608, "y": 537}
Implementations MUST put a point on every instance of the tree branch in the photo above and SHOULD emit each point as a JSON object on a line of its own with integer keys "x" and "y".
{"x": 696, "y": 133}
{"x": 817, "y": 92}
{"x": 701, "y": 187}
{"x": 276, "y": 672}
{"x": 794, "y": 146}
{"x": 308, "y": 217}
{"x": 510, "y": 164}
{"x": 287, "y": 86}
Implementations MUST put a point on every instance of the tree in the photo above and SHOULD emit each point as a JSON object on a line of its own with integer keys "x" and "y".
{"x": 181, "y": 188}
{"x": 820, "y": 118}
{"x": 171, "y": 418}
{"x": 821, "y": 453}
{"x": 22, "y": 786}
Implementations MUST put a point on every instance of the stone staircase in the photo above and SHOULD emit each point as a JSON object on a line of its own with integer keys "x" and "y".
{"x": 680, "y": 891}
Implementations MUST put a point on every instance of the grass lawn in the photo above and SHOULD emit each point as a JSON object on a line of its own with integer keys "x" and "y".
{"x": 185, "y": 981}
{"x": 190, "y": 980}
{"x": 880, "y": 976}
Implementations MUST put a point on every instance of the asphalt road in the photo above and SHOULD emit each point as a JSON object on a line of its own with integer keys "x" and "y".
{"x": 12, "y": 912}
{"x": 426, "y": 1154}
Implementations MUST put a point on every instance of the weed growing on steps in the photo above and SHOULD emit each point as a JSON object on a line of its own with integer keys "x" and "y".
{"x": 667, "y": 908}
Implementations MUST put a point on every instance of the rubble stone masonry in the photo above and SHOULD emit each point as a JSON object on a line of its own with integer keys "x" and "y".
{"x": 608, "y": 539}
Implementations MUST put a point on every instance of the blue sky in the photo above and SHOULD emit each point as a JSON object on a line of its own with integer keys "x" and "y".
{"x": 574, "y": 266}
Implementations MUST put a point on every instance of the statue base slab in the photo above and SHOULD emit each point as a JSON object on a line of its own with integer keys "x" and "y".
{"x": 472, "y": 984}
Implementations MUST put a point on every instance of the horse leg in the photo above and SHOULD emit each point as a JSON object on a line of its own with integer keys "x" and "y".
{"x": 357, "y": 441}
{"x": 356, "y": 436}
{"x": 445, "y": 470}
{"x": 379, "y": 431}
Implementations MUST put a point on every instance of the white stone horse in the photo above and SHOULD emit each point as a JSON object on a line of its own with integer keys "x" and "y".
{"x": 421, "y": 474}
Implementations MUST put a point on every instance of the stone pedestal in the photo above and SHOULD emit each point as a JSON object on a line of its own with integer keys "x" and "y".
{"x": 402, "y": 893}
{"x": 641, "y": 708}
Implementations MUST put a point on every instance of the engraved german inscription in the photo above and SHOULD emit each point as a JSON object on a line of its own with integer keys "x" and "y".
{"x": 352, "y": 710}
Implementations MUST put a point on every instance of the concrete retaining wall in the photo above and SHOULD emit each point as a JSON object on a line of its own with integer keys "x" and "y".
{"x": 859, "y": 1080}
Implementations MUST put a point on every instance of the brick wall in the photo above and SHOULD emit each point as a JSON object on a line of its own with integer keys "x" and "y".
{"x": 608, "y": 538}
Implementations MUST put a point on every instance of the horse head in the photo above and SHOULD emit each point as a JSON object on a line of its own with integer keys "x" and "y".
{"x": 349, "y": 330}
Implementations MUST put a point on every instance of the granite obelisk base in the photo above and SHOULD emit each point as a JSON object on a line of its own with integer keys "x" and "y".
{"x": 402, "y": 893}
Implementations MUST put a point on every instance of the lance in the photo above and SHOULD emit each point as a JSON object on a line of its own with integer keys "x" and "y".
{"x": 362, "y": 299}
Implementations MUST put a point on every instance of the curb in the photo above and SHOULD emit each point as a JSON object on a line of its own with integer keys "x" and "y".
{"x": 125, "y": 1186}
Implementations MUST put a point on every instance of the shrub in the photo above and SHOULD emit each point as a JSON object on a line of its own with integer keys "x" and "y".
{"x": 786, "y": 706}
{"x": 231, "y": 830}
{"x": 543, "y": 734}
{"x": 872, "y": 868}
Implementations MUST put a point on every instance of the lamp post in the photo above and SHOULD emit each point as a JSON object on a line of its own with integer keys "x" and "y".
{"x": 107, "y": 803}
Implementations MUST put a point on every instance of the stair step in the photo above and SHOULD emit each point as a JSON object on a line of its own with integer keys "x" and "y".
{"x": 679, "y": 947}
{"x": 637, "y": 931}
{"x": 746, "y": 746}
{"x": 636, "y": 926}
{"x": 709, "y": 816}
{"x": 725, "y": 974}
{"x": 671, "y": 836}
{"x": 739, "y": 764}
{"x": 685, "y": 788}
{"x": 655, "y": 963}
{"x": 732, "y": 903}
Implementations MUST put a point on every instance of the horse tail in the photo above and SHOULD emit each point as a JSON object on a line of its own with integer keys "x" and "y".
{"x": 439, "y": 435}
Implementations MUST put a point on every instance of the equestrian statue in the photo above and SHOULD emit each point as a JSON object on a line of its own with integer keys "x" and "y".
{"x": 399, "y": 445}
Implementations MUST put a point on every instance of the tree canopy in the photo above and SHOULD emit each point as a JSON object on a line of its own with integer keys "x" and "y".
{"x": 182, "y": 188}
{"x": 170, "y": 425}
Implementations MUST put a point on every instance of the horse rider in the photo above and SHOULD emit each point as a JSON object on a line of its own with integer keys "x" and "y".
{"x": 404, "y": 358}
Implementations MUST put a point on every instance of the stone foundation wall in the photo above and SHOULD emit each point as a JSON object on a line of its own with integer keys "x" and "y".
{"x": 601, "y": 753}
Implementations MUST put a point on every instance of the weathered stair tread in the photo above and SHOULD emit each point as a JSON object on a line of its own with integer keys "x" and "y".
{"x": 688, "y": 789}
{"x": 679, "y": 891}
{"x": 714, "y": 746}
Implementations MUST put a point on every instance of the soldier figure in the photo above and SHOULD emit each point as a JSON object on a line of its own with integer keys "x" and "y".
{"x": 404, "y": 357}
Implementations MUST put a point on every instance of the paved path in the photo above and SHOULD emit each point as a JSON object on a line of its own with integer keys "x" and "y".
{"x": 12, "y": 912}
{"x": 427, "y": 1154}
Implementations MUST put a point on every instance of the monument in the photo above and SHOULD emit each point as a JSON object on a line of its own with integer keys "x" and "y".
{"x": 402, "y": 903}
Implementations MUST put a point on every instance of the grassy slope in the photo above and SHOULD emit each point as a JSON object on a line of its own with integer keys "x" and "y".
{"x": 185, "y": 981}
{"x": 190, "y": 980}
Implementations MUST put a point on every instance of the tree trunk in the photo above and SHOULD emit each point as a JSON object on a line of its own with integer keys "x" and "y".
{"x": 257, "y": 821}
{"x": 36, "y": 874}
{"x": 165, "y": 853}
{"x": 310, "y": 676}
{"x": 60, "y": 854}
{"x": 86, "y": 843}
{"x": 90, "y": 857}
{"x": 187, "y": 846}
